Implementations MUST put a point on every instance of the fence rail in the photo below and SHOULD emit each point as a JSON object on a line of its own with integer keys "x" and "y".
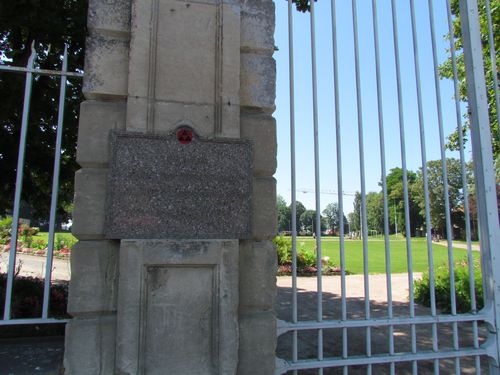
{"x": 30, "y": 70}
{"x": 484, "y": 173}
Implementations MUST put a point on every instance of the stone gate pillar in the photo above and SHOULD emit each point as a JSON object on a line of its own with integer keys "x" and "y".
{"x": 175, "y": 205}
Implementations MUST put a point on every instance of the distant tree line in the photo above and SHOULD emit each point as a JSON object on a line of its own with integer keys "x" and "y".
{"x": 306, "y": 219}
{"x": 396, "y": 205}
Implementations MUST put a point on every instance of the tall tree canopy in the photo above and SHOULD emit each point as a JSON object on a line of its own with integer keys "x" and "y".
{"x": 436, "y": 194}
{"x": 332, "y": 217}
{"x": 446, "y": 69}
{"x": 49, "y": 25}
{"x": 395, "y": 195}
{"x": 284, "y": 214}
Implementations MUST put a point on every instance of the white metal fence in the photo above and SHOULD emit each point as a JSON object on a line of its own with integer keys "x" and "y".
{"x": 419, "y": 346}
{"x": 30, "y": 71}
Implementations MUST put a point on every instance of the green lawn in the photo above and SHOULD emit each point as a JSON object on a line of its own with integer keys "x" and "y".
{"x": 376, "y": 253}
{"x": 59, "y": 236}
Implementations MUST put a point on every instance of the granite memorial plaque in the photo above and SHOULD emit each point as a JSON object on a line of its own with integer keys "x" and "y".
{"x": 178, "y": 186}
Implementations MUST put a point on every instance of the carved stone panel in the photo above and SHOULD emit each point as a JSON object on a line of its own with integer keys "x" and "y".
{"x": 180, "y": 318}
{"x": 177, "y": 307}
{"x": 164, "y": 187}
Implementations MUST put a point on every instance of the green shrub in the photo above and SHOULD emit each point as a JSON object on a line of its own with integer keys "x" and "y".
{"x": 62, "y": 241}
{"x": 39, "y": 244}
{"x": 27, "y": 298}
{"x": 283, "y": 250}
{"x": 5, "y": 227}
{"x": 442, "y": 287}
{"x": 6, "y": 223}
{"x": 306, "y": 259}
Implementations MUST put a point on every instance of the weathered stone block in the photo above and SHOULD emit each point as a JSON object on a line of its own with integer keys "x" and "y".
{"x": 94, "y": 277}
{"x": 106, "y": 67}
{"x": 258, "y": 82}
{"x": 186, "y": 53}
{"x": 109, "y": 16}
{"x": 161, "y": 188}
{"x": 178, "y": 307}
{"x": 139, "y": 67}
{"x": 137, "y": 114}
{"x": 264, "y": 214}
{"x": 257, "y": 26}
{"x": 261, "y": 131}
{"x": 168, "y": 116}
{"x": 90, "y": 199}
{"x": 90, "y": 346}
{"x": 229, "y": 59}
{"x": 258, "y": 265}
{"x": 257, "y": 344}
{"x": 97, "y": 118}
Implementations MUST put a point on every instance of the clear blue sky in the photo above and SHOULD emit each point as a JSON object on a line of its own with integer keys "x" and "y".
{"x": 349, "y": 121}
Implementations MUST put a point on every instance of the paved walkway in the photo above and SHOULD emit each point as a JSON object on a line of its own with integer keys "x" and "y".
{"x": 457, "y": 245}
{"x": 32, "y": 355}
{"x": 355, "y": 285}
{"x": 332, "y": 338}
{"x": 32, "y": 265}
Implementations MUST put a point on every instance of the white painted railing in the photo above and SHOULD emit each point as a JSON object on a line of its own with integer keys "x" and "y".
{"x": 422, "y": 40}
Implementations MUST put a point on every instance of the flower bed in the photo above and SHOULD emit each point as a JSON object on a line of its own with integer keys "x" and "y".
{"x": 32, "y": 242}
{"x": 306, "y": 260}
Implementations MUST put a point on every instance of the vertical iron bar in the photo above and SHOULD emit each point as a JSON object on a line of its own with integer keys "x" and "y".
{"x": 465, "y": 187}
{"x": 384, "y": 181}
{"x": 402, "y": 140}
{"x": 317, "y": 186}
{"x": 362, "y": 177}
{"x": 449, "y": 234}
{"x": 338, "y": 142}
{"x": 494, "y": 72}
{"x": 426, "y": 185}
{"x": 19, "y": 184}
{"x": 293, "y": 181}
{"x": 483, "y": 162}
{"x": 55, "y": 186}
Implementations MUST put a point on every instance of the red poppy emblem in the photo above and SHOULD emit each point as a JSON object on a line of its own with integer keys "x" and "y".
{"x": 184, "y": 136}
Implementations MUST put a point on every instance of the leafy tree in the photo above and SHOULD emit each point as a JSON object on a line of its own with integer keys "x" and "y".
{"x": 300, "y": 209}
{"x": 436, "y": 194}
{"x": 49, "y": 24}
{"x": 308, "y": 221}
{"x": 284, "y": 214}
{"x": 395, "y": 195}
{"x": 446, "y": 69}
{"x": 356, "y": 218}
{"x": 351, "y": 220}
{"x": 332, "y": 217}
{"x": 375, "y": 211}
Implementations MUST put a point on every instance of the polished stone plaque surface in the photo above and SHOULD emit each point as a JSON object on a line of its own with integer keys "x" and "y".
{"x": 178, "y": 186}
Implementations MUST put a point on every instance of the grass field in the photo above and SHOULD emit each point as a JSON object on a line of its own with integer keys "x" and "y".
{"x": 376, "y": 253}
{"x": 60, "y": 236}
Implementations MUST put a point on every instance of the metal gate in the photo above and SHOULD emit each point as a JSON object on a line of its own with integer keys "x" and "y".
{"x": 404, "y": 33}
{"x": 31, "y": 71}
